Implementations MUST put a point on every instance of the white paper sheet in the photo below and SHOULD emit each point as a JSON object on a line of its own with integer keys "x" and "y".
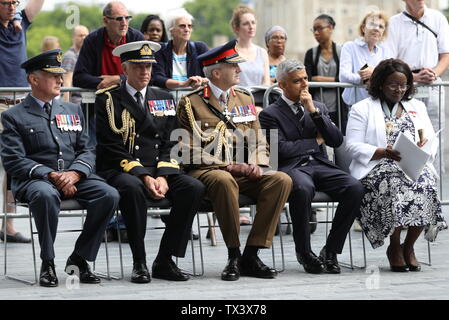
{"x": 413, "y": 158}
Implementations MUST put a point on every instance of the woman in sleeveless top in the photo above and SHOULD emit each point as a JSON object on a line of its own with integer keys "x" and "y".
{"x": 255, "y": 71}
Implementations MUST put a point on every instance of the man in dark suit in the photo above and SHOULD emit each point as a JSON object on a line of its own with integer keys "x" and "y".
{"x": 44, "y": 150}
{"x": 303, "y": 128}
{"x": 134, "y": 123}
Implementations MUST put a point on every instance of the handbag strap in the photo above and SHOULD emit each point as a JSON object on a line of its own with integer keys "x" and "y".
{"x": 421, "y": 23}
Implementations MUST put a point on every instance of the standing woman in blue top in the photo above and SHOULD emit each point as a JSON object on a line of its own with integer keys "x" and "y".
{"x": 275, "y": 40}
{"x": 177, "y": 65}
{"x": 361, "y": 56}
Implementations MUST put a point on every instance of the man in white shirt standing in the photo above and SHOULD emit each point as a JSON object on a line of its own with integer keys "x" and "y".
{"x": 420, "y": 37}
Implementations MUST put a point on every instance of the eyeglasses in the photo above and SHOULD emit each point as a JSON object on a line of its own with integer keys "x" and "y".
{"x": 395, "y": 86}
{"x": 375, "y": 26}
{"x": 185, "y": 26}
{"x": 120, "y": 18}
{"x": 276, "y": 38}
{"x": 10, "y": 3}
{"x": 319, "y": 29}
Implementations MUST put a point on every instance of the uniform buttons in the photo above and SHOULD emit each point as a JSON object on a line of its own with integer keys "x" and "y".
{"x": 157, "y": 158}
{"x": 137, "y": 159}
{"x": 137, "y": 136}
{"x": 156, "y": 135}
{"x": 137, "y": 147}
{"x": 156, "y": 146}
{"x": 56, "y": 138}
{"x": 31, "y": 130}
{"x": 206, "y": 125}
{"x": 60, "y": 153}
{"x": 51, "y": 122}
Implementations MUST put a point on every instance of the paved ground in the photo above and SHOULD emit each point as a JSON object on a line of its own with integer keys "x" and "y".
{"x": 374, "y": 282}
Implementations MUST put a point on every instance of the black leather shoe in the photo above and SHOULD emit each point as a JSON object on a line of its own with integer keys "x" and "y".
{"x": 85, "y": 274}
{"x": 195, "y": 236}
{"x": 330, "y": 261}
{"x": 254, "y": 267}
{"x": 17, "y": 238}
{"x": 168, "y": 270}
{"x": 140, "y": 273}
{"x": 310, "y": 262}
{"x": 232, "y": 270}
{"x": 47, "y": 276}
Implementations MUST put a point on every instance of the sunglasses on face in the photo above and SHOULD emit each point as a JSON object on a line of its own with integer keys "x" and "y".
{"x": 120, "y": 18}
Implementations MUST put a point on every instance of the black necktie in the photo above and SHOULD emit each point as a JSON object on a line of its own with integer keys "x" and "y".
{"x": 299, "y": 112}
{"x": 47, "y": 108}
{"x": 139, "y": 99}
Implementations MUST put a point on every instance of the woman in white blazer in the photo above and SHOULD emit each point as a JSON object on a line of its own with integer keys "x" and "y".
{"x": 393, "y": 200}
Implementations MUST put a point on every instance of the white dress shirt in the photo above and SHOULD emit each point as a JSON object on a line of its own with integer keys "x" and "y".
{"x": 133, "y": 91}
{"x": 217, "y": 92}
{"x": 291, "y": 104}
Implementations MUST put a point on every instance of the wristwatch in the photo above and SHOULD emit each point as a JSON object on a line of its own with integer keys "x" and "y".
{"x": 316, "y": 114}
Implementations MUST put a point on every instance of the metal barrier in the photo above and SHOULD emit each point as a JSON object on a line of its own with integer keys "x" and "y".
{"x": 88, "y": 97}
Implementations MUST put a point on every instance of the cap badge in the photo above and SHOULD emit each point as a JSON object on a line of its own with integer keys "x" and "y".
{"x": 145, "y": 51}
{"x": 59, "y": 57}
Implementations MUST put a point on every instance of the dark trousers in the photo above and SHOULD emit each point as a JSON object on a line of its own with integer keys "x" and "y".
{"x": 94, "y": 194}
{"x": 340, "y": 186}
{"x": 185, "y": 194}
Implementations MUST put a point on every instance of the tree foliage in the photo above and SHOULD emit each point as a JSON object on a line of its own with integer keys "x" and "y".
{"x": 211, "y": 18}
{"x": 59, "y": 23}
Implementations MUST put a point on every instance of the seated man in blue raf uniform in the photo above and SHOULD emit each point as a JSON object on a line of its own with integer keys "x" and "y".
{"x": 303, "y": 128}
{"x": 44, "y": 150}
{"x": 134, "y": 123}
{"x": 206, "y": 114}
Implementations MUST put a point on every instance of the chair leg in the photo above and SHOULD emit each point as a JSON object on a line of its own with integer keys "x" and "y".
{"x": 201, "y": 246}
{"x": 281, "y": 244}
{"x": 7, "y": 276}
{"x": 211, "y": 232}
{"x": 108, "y": 275}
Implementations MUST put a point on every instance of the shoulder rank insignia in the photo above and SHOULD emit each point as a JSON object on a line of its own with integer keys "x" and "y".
{"x": 206, "y": 92}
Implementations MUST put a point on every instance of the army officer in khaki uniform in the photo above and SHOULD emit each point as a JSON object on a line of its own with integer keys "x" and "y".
{"x": 211, "y": 115}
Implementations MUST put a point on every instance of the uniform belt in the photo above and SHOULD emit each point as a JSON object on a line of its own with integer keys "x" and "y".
{"x": 11, "y": 101}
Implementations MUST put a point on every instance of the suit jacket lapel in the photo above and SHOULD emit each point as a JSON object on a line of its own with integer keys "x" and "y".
{"x": 149, "y": 120}
{"x": 287, "y": 111}
{"x": 33, "y": 107}
{"x": 216, "y": 104}
{"x": 130, "y": 104}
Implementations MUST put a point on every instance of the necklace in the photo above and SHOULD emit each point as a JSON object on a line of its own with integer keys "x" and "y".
{"x": 389, "y": 124}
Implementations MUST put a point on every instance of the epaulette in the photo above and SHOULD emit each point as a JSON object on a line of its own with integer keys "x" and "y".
{"x": 101, "y": 91}
{"x": 198, "y": 91}
{"x": 241, "y": 91}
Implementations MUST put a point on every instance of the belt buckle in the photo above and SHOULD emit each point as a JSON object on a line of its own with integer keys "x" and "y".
{"x": 60, "y": 164}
